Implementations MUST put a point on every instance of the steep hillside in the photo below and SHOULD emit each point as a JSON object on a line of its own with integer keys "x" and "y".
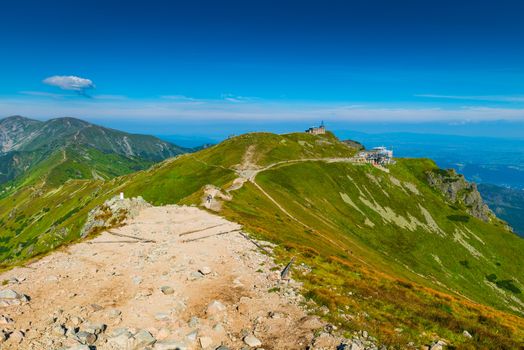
{"x": 385, "y": 249}
{"x": 25, "y": 144}
{"x": 17, "y": 131}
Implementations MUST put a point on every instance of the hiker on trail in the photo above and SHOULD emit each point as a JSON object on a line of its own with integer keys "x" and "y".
{"x": 209, "y": 198}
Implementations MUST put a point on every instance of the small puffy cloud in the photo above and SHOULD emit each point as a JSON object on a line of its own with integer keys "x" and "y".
{"x": 70, "y": 82}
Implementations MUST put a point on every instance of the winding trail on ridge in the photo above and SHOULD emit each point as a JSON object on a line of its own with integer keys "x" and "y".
{"x": 247, "y": 171}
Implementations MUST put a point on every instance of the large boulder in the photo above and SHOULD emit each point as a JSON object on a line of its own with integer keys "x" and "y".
{"x": 112, "y": 213}
{"x": 459, "y": 191}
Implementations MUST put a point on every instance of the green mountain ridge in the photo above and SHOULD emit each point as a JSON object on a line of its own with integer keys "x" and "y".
{"x": 386, "y": 250}
{"x": 26, "y": 143}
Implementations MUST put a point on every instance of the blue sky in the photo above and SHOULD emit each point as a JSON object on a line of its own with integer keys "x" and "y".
{"x": 172, "y": 66}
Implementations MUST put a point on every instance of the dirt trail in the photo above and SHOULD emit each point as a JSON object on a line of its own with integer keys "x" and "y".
{"x": 165, "y": 286}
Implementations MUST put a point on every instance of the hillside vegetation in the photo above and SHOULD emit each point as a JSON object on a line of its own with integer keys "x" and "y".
{"x": 68, "y": 148}
{"x": 381, "y": 249}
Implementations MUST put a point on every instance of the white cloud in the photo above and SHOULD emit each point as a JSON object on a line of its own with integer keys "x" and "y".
{"x": 70, "y": 82}
{"x": 494, "y": 98}
{"x": 238, "y": 99}
{"x": 42, "y": 94}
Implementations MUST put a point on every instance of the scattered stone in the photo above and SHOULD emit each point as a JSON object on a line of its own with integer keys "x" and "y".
{"x": 114, "y": 313}
{"x": 17, "y": 336}
{"x": 163, "y": 333}
{"x": 79, "y": 347}
{"x": 86, "y": 337}
{"x": 205, "y": 270}
{"x": 193, "y": 322}
{"x": 222, "y": 347}
{"x": 195, "y": 276}
{"x": 96, "y": 307}
{"x": 52, "y": 279}
{"x": 275, "y": 315}
{"x": 218, "y": 328}
{"x": 3, "y": 337}
{"x": 467, "y": 334}
{"x": 59, "y": 330}
{"x": 252, "y": 341}
{"x": 167, "y": 290}
{"x": 192, "y": 336}
{"x": 122, "y": 340}
{"x": 162, "y": 316}
{"x": 437, "y": 345}
{"x": 95, "y": 328}
{"x": 10, "y": 297}
{"x": 170, "y": 345}
{"x": 14, "y": 280}
{"x": 142, "y": 339}
{"x": 5, "y": 320}
{"x": 205, "y": 342}
{"x": 215, "y": 307}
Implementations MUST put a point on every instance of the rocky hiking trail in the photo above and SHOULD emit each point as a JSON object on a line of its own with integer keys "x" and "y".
{"x": 172, "y": 277}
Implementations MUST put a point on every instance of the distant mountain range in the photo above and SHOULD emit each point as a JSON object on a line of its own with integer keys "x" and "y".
{"x": 64, "y": 148}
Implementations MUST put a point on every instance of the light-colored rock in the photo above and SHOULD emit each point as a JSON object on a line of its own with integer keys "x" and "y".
{"x": 162, "y": 316}
{"x": 10, "y": 294}
{"x": 205, "y": 342}
{"x": 252, "y": 341}
{"x": 17, "y": 336}
{"x": 205, "y": 270}
{"x": 170, "y": 345}
{"x": 438, "y": 345}
{"x": 467, "y": 334}
{"x": 142, "y": 339}
{"x": 76, "y": 321}
{"x": 195, "y": 275}
{"x": 58, "y": 330}
{"x": 5, "y": 320}
{"x": 95, "y": 328}
{"x": 167, "y": 290}
{"x": 192, "y": 336}
{"x": 113, "y": 313}
{"x": 79, "y": 347}
{"x": 215, "y": 307}
{"x": 163, "y": 333}
{"x": 122, "y": 341}
{"x": 86, "y": 337}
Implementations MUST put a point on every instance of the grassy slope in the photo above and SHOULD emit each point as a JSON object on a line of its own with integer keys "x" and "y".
{"x": 358, "y": 270}
{"x": 370, "y": 262}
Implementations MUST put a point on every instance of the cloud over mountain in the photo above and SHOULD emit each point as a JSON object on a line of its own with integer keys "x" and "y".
{"x": 70, "y": 82}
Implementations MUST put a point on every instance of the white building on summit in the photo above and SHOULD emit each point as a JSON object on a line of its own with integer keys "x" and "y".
{"x": 317, "y": 130}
